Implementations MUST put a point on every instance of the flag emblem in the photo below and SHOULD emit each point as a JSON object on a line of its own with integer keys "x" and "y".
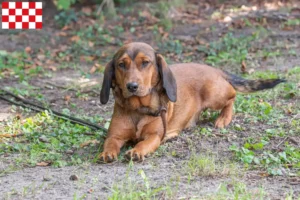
{"x": 22, "y": 15}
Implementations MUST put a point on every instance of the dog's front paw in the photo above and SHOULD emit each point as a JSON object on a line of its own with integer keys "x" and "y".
{"x": 222, "y": 122}
{"x": 135, "y": 155}
{"x": 107, "y": 157}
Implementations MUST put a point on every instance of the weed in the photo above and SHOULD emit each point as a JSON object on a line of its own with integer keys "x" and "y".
{"x": 207, "y": 165}
{"x": 236, "y": 190}
{"x": 51, "y": 144}
{"x": 229, "y": 49}
{"x": 173, "y": 46}
{"x": 292, "y": 22}
{"x": 272, "y": 161}
{"x": 131, "y": 190}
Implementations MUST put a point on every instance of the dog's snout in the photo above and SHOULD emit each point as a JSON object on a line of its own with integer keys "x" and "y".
{"x": 132, "y": 87}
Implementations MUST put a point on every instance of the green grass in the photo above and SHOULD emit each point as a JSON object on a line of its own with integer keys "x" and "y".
{"x": 130, "y": 189}
{"x": 268, "y": 118}
{"x": 49, "y": 139}
{"x": 19, "y": 65}
{"x": 208, "y": 165}
{"x": 269, "y": 108}
{"x": 236, "y": 190}
{"x": 228, "y": 50}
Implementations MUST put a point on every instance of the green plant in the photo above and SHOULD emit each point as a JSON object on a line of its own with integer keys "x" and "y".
{"x": 64, "y": 4}
{"x": 52, "y": 144}
{"x": 236, "y": 190}
{"x": 66, "y": 17}
{"x": 173, "y": 46}
{"x": 292, "y": 22}
{"x": 208, "y": 165}
{"x": 272, "y": 161}
{"x": 131, "y": 190}
{"x": 229, "y": 49}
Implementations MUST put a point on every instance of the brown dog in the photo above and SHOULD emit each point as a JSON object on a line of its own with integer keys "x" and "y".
{"x": 144, "y": 86}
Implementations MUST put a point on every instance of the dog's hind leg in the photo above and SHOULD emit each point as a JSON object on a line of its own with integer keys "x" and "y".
{"x": 170, "y": 134}
{"x": 220, "y": 96}
{"x": 225, "y": 116}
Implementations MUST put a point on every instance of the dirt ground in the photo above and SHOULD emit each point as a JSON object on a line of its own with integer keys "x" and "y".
{"x": 163, "y": 169}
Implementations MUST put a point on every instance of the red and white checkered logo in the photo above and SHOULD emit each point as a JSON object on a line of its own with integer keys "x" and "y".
{"x": 22, "y": 15}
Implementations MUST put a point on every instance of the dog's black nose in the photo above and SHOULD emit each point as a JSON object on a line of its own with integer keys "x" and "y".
{"x": 132, "y": 87}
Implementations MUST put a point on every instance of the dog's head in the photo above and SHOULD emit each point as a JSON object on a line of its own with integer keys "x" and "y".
{"x": 136, "y": 69}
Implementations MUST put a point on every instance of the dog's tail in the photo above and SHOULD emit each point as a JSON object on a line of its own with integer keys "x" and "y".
{"x": 247, "y": 86}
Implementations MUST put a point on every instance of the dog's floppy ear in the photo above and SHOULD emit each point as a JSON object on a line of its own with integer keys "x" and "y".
{"x": 107, "y": 82}
{"x": 168, "y": 79}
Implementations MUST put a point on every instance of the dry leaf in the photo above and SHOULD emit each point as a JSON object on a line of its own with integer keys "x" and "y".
{"x": 250, "y": 71}
{"x": 61, "y": 34}
{"x": 287, "y": 28}
{"x": 67, "y": 98}
{"x": 41, "y": 57}
{"x": 28, "y": 49}
{"x": 91, "y": 44}
{"x": 86, "y": 58}
{"x": 38, "y": 63}
{"x": 86, "y": 143}
{"x": 53, "y": 68}
{"x": 263, "y": 174}
{"x": 86, "y": 10}
{"x": 244, "y": 68}
{"x": 43, "y": 164}
{"x": 75, "y": 38}
{"x": 66, "y": 27}
{"x": 93, "y": 69}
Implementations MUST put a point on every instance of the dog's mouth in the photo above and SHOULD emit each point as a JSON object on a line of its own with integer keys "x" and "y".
{"x": 139, "y": 93}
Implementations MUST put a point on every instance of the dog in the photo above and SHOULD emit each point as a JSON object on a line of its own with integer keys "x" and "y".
{"x": 154, "y": 101}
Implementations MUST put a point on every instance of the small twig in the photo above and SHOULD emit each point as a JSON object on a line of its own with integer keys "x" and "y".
{"x": 101, "y": 6}
{"x": 11, "y": 135}
{"x": 281, "y": 142}
{"x": 221, "y": 135}
{"x": 39, "y": 108}
{"x": 72, "y": 89}
{"x": 62, "y": 87}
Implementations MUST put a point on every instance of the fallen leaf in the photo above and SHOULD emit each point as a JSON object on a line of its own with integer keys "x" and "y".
{"x": 86, "y": 10}
{"x": 75, "y": 38}
{"x": 61, "y": 34}
{"x": 287, "y": 28}
{"x": 67, "y": 98}
{"x": 243, "y": 67}
{"x": 93, "y": 69}
{"x": 86, "y": 58}
{"x": 43, "y": 164}
{"x": 41, "y": 57}
{"x": 86, "y": 143}
{"x": 227, "y": 19}
{"x": 91, "y": 44}
{"x": 28, "y": 49}
{"x": 38, "y": 63}
{"x": 66, "y": 27}
{"x": 251, "y": 71}
{"x": 263, "y": 174}
{"x": 53, "y": 68}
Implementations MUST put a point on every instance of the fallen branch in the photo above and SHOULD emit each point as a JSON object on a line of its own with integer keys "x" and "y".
{"x": 28, "y": 104}
{"x": 11, "y": 135}
{"x": 72, "y": 89}
{"x": 281, "y": 142}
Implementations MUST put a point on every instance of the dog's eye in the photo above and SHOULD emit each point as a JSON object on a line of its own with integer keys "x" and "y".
{"x": 122, "y": 65}
{"x": 145, "y": 63}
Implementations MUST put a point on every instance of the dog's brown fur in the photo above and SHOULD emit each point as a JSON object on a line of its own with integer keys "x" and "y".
{"x": 183, "y": 89}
